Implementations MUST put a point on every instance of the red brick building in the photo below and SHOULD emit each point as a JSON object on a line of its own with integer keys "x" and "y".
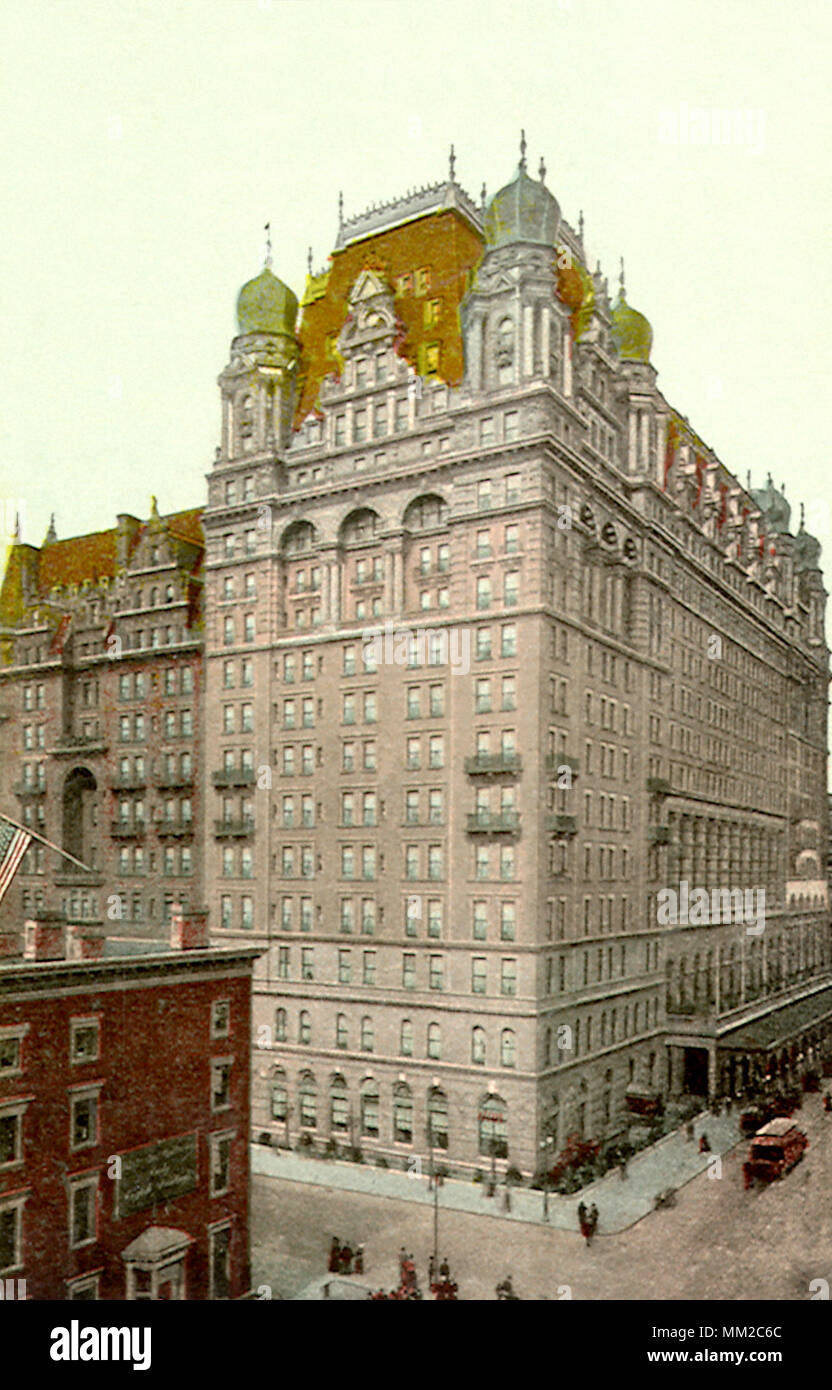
{"x": 124, "y": 1102}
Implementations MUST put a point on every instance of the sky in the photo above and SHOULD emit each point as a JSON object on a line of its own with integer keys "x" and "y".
{"x": 146, "y": 143}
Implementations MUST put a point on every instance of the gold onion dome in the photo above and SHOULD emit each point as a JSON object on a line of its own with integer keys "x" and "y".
{"x": 524, "y": 210}
{"x": 266, "y": 305}
{"x": 631, "y": 331}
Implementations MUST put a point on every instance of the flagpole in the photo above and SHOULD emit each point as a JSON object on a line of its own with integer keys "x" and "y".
{"x": 35, "y": 836}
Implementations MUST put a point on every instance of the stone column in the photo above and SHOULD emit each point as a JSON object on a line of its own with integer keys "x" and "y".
{"x": 528, "y": 340}
{"x": 474, "y": 354}
{"x": 631, "y": 453}
{"x": 545, "y": 328}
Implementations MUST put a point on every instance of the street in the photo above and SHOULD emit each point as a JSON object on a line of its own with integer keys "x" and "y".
{"x": 717, "y": 1242}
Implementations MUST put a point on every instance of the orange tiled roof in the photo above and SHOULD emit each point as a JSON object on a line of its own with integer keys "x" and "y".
{"x": 442, "y": 242}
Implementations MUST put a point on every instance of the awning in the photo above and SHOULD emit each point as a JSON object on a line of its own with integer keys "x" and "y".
{"x": 781, "y": 1026}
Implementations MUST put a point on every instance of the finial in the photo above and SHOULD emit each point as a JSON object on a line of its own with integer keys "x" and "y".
{"x": 267, "y": 262}
{"x": 542, "y": 169}
{"x": 581, "y": 224}
{"x": 482, "y": 197}
{"x": 340, "y": 209}
{"x": 802, "y": 516}
{"x": 51, "y": 534}
{"x": 621, "y": 277}
{"x": 451, "y": 164}
{"x": 309, "y": 260}
{"x": 154, "y": 507}
{"x": 523, "y": 149}
{"x": 16, "y": 534}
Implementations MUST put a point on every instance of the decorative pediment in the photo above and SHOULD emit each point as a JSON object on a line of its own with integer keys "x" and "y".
{"x": 372, "y": 316}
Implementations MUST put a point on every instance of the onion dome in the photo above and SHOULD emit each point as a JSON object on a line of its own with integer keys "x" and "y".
{"x": 524, "y": 210}
{"x": 806, "y": 548}
{"x": 631, "y": 331}
{"x": 266, "y": 305}
{"x": 774, "y": 507}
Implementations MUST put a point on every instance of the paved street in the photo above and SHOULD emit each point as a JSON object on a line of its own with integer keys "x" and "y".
{"x": 718, "y": 1241}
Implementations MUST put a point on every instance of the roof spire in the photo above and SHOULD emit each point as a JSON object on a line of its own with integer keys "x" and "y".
{"x": 542, "y": 170}
{"x": 341, "y": 209}
{"x": 802, "y": 517}
{"x": 621, "y": 278}
{"x": 581, "y": 224}
{"x": 482, "y": 197}
{"x": 51, "y": 534}
{"x": 523, "y": 150}
{"x": 309, "y": 260}
{"x": 267, "y": 260}
{"x": 451, "y": 165}
{"x": 16, "y": 532}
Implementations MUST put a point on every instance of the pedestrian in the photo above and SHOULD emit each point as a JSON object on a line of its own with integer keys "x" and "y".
{"x": 545, "y": 1204}
{"x": 689, "y": 1130}
{"x": 359, "y": 1259}
{"x": 623, "y": 1168}
{"x": 507, "y": 1199}
{"x": 346, "y": 1259}
{"x": 704, "y": 1146}
{"x": 593, "y": 1220}
{"x": 432, "y": 1270}
{"x": 581, "y": 1214}
{"x": 402, "y": 1259}
{"x": 334, "y": 1262}
{"x": 444, "y": 1271}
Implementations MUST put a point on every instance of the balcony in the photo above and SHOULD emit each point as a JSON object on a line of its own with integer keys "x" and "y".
{"x": 174, "y": 781}
{"x": 658, "y": 786}
{"x": 78, "y": 878}
{"x": 233, "y": 777}
{"x": 562, "y": 825}
{"x": 133, "y": 782}
{"x": 494, "y": 823}
{"x": 493, "y": 764}
{"x": 22, "y": 789}
{"x": 71, "y": 745}
{"x": 659, "y": 834}
{"x": 128, "y": 830}
{"x": 555, "y": 761}
{"x": 233, "y": 829}
{"x": 174, "y": 829}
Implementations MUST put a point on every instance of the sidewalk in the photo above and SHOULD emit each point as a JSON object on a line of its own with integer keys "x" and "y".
{"x": 672, "y": 1162}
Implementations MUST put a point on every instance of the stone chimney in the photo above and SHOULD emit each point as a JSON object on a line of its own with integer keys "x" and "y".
{"x": 188, "y": 929}
{"x": 127, "y": 528}
{"x": 85, "y": 941}
{"x": 44, "y": 937}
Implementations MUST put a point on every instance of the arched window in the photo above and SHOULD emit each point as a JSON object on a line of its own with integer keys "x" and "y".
{"x": 279, "y": 1095}
{"x": 434, "y": 1041}
{"x": 339, "y": 1121}
{"x": 360, "y": 527}
{"x": 426, "y": 512}
{"x": 307, "y": 1101}
{"x": 478, "y": 1046}
{"x": 492, "y": 1126}
{"x": 505, "y": 352}
{"x": 438, "y": 1118}
{"x": 402, "y": 1113}
{"x": 369, "y": 1109}
{"x": 508, "y": 1048}
{"x": 298, "y": 538}
{"x": 280, "y": 1025}
{"x": 304, "y": 1027}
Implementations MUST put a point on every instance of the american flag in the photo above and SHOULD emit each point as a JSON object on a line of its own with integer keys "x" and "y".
{"x": 14, "y": 843}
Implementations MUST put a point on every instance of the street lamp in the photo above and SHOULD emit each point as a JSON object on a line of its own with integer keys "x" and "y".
{"x": 432, "y": 1183}
{"x": 546, "y": 1146}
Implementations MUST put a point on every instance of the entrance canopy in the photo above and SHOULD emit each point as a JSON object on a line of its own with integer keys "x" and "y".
{"x": 781, "y": 1026}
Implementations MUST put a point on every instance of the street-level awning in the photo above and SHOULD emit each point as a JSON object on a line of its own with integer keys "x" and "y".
{"x": 781, "y": 1026}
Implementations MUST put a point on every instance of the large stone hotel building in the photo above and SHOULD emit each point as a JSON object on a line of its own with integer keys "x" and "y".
{"x": 491, "y": 648}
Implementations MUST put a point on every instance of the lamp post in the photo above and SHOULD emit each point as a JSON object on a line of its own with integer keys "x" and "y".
{"x": 546, "y": 1146}
{"x": 432, "y": 1183}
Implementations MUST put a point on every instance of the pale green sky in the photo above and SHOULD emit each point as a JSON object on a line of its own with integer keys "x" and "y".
{"x": 145, "y": 144}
